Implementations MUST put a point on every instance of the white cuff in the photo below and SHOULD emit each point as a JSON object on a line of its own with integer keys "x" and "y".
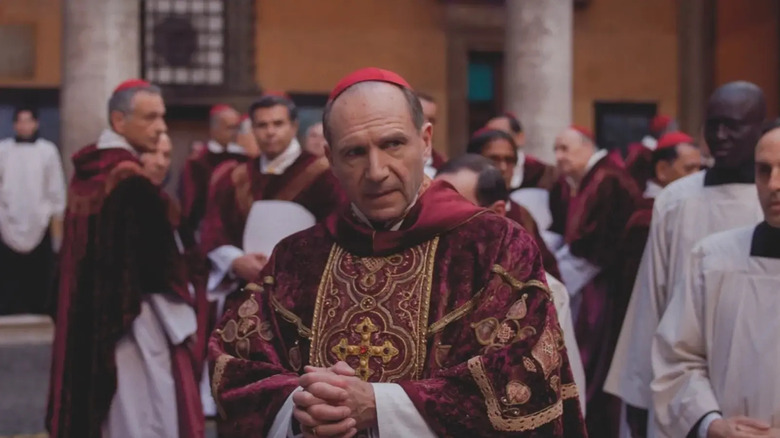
{"x": 177, "y": 317}
{"x": 282, "y": 425}
{"x": 704, "y": 425}
{"x": 396, "y": 415}
{"x": 576, "y": 272}
{"x": 221, "y": 260}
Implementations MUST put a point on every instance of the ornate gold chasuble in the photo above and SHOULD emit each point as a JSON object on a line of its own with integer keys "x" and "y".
{"x": 372, "y": 312}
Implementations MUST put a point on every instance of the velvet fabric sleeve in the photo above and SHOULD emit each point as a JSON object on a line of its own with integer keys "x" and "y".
{"x": 223, "y": 223}
{"x": 598, "y": 216}
{"x": 249, "y": 377}
{"x": 135, "y": 253}
{"x": 510, "y": 375}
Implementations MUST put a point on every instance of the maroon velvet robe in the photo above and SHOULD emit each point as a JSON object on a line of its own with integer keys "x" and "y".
{"x": 194, "y": 183}
{"x": 596, "y": 219}
{"x": 519, "y": 214}
{"x": 537, "y": 174}
{"x": 458, "y": 310}
{"x": 118, "y": 245}
{"x": 308, "y": 182}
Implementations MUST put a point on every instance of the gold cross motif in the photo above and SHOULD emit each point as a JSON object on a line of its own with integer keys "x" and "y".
{"x": 364, "y": 351}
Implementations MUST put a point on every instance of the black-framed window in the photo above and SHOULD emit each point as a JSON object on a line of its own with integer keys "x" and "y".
{"x": 620, "y": 123}
{"x": 184, "y": 42}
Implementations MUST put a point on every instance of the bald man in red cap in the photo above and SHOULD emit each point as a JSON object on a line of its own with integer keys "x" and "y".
{"x": 597, "y": 197}
{"x": 121, "y": 362}
{"x": 224, "y": 124}
{"x": 410, "y": 312}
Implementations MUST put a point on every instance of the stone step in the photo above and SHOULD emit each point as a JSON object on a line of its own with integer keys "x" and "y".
{"x": 26, "y": 330}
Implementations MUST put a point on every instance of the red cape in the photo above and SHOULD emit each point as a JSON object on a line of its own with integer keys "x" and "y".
{"x": 118, "y": 243}
{"x": 439, "y": 208}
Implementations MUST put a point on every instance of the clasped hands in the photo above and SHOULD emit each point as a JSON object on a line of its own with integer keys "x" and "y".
{"x": 333, "y": 402}
{"x": 741, "y": 427}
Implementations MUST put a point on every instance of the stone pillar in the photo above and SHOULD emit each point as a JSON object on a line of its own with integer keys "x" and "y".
{"x": 100, "y": 49}
{"x": 538, "y": 78}
{"x": 696, "y": 58}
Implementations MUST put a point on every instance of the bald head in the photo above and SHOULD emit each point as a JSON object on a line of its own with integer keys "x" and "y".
{"x": 572, "y": 152}
{"x": 224, "y": 125}
{"x": 735, "y": 113}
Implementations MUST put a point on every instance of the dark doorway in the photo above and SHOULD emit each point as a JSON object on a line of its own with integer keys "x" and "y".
{"x": 619, "y": 124}
{"x": 485, "y": 87}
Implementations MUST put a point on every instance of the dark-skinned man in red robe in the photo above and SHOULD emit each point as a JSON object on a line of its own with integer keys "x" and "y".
{"x": 529, "y": 171}
{"x": 224, "y": 124}
{"x": 601, "y": 199}
{"x": 410, "y": 312}
{"x": 125, "y": 318}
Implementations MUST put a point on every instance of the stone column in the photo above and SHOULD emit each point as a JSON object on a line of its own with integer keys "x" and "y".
{"x": 696, "y": 59}
{"x": 538, "y": 77}
{"x": 101, "y": 48}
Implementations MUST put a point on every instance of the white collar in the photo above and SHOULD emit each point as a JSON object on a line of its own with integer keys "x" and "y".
{"x": 216, "y": 148}
{"x": 279, "y": 165}
{"x": 652, "y": 190}
{"x": 396, "y": 226}
{"x": 109, "y": 139}
{"x": 519, "y": 172}
{"x": 592, "y": 161}
{"x": 649, "y": 142}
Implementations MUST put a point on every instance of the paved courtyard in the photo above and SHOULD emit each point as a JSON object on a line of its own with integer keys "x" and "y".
{"x": 25, "y": 355}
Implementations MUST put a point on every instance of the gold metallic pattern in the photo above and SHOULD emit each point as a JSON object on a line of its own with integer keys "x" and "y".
{"x": 456, "y": 314}
{"x": 216, "y": 381}
{"x": 517, "y": 284}
{"x": 365, "y": 350}
{"x": 529, "y": 365}
{"x": 290, "y": 317}
{"x": 295, "y": 357}
{"x": 239, "y": 332}
{"x": 547, "y": 349}
{"x": 440, "y": 354}
{"x": 568, "y": 391}
{"x": 373, "y": 312}
{"x": 517, "y": 393}
{"x": 498, "y": 418}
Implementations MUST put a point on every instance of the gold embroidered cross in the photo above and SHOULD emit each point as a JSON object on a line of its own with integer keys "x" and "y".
{"x": 364, "y": 351}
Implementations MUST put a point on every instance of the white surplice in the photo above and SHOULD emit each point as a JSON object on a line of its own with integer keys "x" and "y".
{"x": 561, "y": 299}
{"x": 684, "y": 212}
{"x": 32, "y": 192}
{"x": 144, "y": 405}
{"x": 717, "y": 346}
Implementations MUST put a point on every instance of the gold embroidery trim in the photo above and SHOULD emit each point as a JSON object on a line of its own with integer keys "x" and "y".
{"x": 517, "y": 284}
{"x": 313, "y": 356}
{"x": 569, "y": 390}
{"x": 290, "y": 317}
{"x": 426, "y": 308}
{"x": 456, "y": 314}
{"x": 499, "y": 422}
{"x": 216, "y": 380}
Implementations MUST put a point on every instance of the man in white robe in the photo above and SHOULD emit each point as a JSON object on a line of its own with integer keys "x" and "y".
{"x": 685, "y": 212}
{"x": 32, "y": 202}
{"x": 716, "y": 349}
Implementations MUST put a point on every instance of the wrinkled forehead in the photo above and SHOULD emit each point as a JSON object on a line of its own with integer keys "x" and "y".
{"x": 768, "y": 148}
{"x": 569, "y": 137}
{"x": 366, "y": 105}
